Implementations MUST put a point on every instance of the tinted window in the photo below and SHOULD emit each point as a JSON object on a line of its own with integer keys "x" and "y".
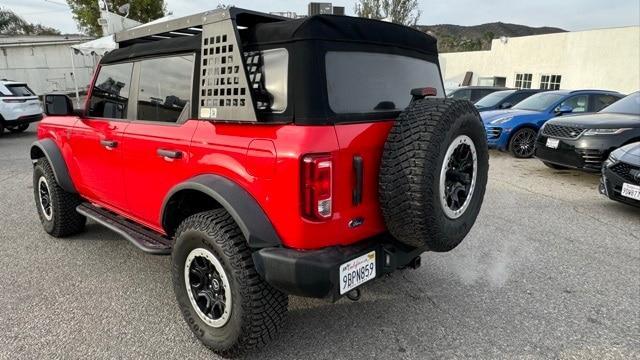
{"x": 110, "y": 93}
{"x": 480, "y": 93}
{"x": 359, "y": 82}
{"x": 628, "y": 105}
{"x": 539, "y": 102}
{"x": 270, "y": 88}
{"x": 165, "y": 88}
{"x": 461, "y": 94}
{"x": 494, "y": 98}
{"x": 602, "y": 101}
{"x": 578, "y": 103}
{"x": 19, "y": 90}
{"x": 516, "y": 98}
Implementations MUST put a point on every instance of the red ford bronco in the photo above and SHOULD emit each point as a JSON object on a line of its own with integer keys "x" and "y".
{"x": 269, "y": 157}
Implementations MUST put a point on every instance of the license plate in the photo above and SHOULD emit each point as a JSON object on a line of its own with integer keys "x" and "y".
{"x": 358, "y": 271}
{"x": 553, "y": 143}
{"x": 631, "y": 191}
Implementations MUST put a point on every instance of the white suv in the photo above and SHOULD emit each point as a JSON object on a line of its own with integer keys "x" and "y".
{"x": 19, "y": 106}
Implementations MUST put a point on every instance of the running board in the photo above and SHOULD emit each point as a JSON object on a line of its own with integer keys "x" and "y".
{"x": 143, "y": 238}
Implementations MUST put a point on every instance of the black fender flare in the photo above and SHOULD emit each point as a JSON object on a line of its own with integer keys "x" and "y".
{"x": 53, "y": 154}
{"x": 251, "y": 219}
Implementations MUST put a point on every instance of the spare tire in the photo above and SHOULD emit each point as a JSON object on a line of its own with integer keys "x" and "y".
{"x": 433, "y": 173}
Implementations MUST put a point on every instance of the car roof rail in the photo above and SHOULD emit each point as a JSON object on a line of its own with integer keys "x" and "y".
{"x": 192, "y": 25}
{"x": 597, "y": 90}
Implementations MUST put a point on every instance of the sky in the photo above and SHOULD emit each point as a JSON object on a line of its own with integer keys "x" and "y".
{"x": 570, "y": 15}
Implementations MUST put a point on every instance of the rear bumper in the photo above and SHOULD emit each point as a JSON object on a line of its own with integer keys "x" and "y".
{"x": 585, "y": 154}
{"x": 27, "y": 119}
{"x": 315, "y": 273}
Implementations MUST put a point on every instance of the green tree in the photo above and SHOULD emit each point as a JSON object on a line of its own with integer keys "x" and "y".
{"x": 12, "y": 24}
{"x": 86, "y": 12}
{"x": 403, "y": 12}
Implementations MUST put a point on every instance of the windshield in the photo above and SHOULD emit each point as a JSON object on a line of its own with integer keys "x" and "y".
{"x": 364, "y": 82}
{"x": 627, "y": 105}
{"x": 539, "y": 102}
{"x": 494, "y": 99}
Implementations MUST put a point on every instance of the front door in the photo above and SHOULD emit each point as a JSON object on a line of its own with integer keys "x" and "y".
{"x": 96, "y": 141}
{"x": 156, "y": 143}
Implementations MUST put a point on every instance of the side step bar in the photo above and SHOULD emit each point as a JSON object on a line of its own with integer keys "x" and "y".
{"x": 143, "y": 238}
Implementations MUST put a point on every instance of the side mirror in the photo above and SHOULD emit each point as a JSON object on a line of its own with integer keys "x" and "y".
{"x": 506, "y": 105}
{"x": 564, "y": 109}
{"x": 58, "y": 105}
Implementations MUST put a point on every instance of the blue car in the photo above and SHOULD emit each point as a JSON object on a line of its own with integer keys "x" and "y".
{"x": 515, "y": 129}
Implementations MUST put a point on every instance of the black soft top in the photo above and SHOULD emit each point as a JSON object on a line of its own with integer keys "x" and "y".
{"x": 343, "y": 29}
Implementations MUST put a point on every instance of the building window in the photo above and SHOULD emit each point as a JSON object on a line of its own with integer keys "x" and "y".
{"x": 523, "y": 81}
{"x": 550, "y": 82}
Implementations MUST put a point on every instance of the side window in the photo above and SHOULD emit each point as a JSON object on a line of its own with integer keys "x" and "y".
{"x": 110, "y": 93}
{"x": 462, "y": 94}
{"x": 600, "y": 102}
{"x": 164, "y": 90}
{"x": 479, "y": 94}
{"x": 516, "y": 98}
{"x": 578, "y": 103}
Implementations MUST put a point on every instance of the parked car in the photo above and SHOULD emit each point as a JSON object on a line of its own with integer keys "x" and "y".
{"x": 585, "y": 141}
{"x": 19, "y": 106}
{"x": 473, "y": 93}
{"x": 262, "y": 173}
{"x": 515, "y": 129}
{"x": 504, "y": 99}
{"x": 621, "y": 175}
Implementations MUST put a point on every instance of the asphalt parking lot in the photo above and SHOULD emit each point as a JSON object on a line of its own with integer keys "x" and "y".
{"x": 550, "y": 270}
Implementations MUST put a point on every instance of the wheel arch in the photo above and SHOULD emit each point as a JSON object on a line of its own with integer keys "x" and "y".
{"x": 206, "y": 192}
{"x": 48, "y": 149}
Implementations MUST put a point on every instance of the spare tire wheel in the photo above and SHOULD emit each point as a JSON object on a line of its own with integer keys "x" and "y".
{"x": 433, "y": 173}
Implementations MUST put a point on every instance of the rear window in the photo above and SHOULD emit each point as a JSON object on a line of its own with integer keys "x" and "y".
{"x": 627, "y": 105}
{"x": 19, "y": 90}
{"x": 362, "y": 82}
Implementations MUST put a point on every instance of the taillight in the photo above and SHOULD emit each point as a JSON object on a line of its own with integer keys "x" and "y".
{"x": 316, "y": 186}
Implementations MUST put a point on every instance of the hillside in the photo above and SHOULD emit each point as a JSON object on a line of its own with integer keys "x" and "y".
{"x": 454, "y": 38}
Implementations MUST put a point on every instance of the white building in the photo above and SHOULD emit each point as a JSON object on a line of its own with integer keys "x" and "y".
{"x": 44, "y": 62}
{"x": 594, "y": 59}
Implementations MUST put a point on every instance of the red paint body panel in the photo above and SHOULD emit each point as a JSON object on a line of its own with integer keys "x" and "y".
{"x": 133, "y": 179}
{"x": 148, "y": 176}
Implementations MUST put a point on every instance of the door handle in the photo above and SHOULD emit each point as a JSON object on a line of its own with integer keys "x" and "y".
{"x": 170, "y": 154}
{"x": 109, "y": 144}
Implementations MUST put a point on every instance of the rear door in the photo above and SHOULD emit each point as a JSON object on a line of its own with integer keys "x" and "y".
{"x": 156, "y": 143}
{"x": 97, "y": 138}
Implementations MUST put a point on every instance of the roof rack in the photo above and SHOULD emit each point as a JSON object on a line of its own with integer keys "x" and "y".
{"x": 192, "y": 25}
{"x": 226, "y": 83}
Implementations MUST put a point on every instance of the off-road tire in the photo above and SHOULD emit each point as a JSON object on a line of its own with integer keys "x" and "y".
{"x": 257, "y": 310}
{"x": 65, "y": 220}
{"x": 554, "y": 166}
{"x": 18, "y": 129}
{"x": 412, "y": 160}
